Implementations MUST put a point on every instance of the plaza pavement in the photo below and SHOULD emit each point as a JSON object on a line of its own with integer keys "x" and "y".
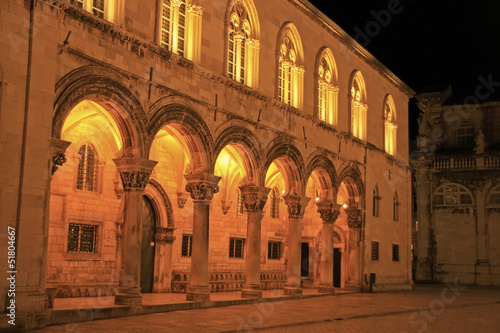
{"x": 429, "y": 308}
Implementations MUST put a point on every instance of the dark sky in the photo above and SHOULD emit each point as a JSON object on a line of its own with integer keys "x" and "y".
{"x": 427, "y": 42}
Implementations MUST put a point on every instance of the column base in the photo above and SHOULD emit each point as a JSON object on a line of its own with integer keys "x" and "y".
{"x": 251, "y": 291}
{"x": 198, "y": 293}
{"x": 292, "y": 290}
{"x": 326, "y": 289}
{"x": 128, "y": 297}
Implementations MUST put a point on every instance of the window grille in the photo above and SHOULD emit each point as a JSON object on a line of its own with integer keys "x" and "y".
{"x": 374, "y": 249}
{"x": 395, "y": 252}
{"x": 187, "y": 245}
{"x": 274, "y": 250}
{"x": 87, "y": 166}
{"x": 274, "y": 204}
{"x": 82, "y": 238}
{"x": 173, "y": 26}
{"x": 236, "y": 247}
{"x": 240, "y": 207}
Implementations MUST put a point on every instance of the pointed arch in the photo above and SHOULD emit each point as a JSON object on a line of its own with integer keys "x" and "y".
{"x": 351, "y": 178}
{"x": 322, "y": 166}
{"x": 390, "y": 125}
{"x": 110, "y": 90}
{"x": 358, "y": 106}
{"x": 290, "y": 66}
{"x": 326, "y": 81}
{"x": 162, "y": 205}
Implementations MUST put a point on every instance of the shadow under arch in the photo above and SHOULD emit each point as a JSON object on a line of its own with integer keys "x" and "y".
{"x": 110, "y": 90}
{"x": 248, "y": 146}
{"x": 191, "y": 126}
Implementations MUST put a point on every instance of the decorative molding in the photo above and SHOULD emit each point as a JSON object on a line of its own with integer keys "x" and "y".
{"x": 202, "y": 186}
{"x": 164, "y": 235}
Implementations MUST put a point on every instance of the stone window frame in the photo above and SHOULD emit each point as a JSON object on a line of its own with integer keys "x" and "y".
{"x": 184, "y": 231}
{"x": 97, "y": 255}
{"x": 96, "y": 188}
{"x": 495, "y": 192}
{"x": 189, "y": 249}
{"x": 327, "y": 89}
{"x": 465, "y": 140}
{"x": 395, "y": 207}
{"x": 390, "y": 125}
{"x": 281, "y": 248}
{"x": 358, "y": 107}
{"x": 108, "y": 11}
{"x": 238, "y": 240}
{"x": 376, "y": 202}
{"x": 453, "y": 195}
{"x": 375, "y": 251}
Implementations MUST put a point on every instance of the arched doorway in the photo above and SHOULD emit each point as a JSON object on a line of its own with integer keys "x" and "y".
{"x": 148, "y": 245}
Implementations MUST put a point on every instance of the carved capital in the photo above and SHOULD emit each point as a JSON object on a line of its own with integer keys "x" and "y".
{"x": 254, "y": 197}
{"x": 58, "y": 149}
{"x": 354, "y": 217}
{"x": 296, "y": 205}
{"x": 195, "y": 10}
{"x": 329, "y": 211}
{"x": 134, "y": 172}
{"x": 202, "y": 186}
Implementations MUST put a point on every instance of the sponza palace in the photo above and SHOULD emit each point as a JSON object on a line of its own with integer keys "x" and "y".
{"x": 195, "y": 147}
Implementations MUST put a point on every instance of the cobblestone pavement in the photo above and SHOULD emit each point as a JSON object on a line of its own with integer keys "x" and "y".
{"x": 444, "y": 308}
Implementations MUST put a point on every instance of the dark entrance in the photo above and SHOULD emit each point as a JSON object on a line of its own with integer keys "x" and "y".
{"x": 148, "y": 249}
{"x": 337, "y": 264}
{"x": 304, "y": 266}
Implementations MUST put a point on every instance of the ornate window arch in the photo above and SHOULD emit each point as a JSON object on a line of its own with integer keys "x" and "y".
{"x": 376, "y": 201}
{"x": 359, "y": 107}
{"x": 390, "y": 126}
{"x": 395, "y": 207}
{"x": 274, "y": 204}
{"x": 243, "y": 44}
{"x": 451, "y": 195}
{"x": 86, "y": 179}
{"x": 290, "y": 67}
{"x": 327, "y": 87}
{"x": 494, "y": 197}
{"x": 180, "y": 28}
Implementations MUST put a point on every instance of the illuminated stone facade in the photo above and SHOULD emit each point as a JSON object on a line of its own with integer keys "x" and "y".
{"x": 458, "y": 189}
{"x": 199, "y": 146}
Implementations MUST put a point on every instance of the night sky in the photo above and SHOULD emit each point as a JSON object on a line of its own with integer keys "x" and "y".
{"x": 426, "y": 42}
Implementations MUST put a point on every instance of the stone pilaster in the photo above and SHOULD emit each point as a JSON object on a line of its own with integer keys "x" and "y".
{"x": 134, "y": 173}
{"x": 254, "y": 199}
{"x": 355, "y": 222}
{"x": 329, "y": 213}
{"x": 201, "y": 187}
{"x": 296, "y": 207}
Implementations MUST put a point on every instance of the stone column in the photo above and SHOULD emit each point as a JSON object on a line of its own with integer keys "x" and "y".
{"x": 201, "y": 187}
{"x": 296, "y": 207}
{"x": 254, "y": 199}
{"x": 163, "y": 259}
{"x": 134, "y": 173}
{"x": 329, "y": 213}
{"x": 354, "y": 221}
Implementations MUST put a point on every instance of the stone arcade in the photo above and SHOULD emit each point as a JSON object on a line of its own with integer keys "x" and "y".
{"x": 197, "y": 147}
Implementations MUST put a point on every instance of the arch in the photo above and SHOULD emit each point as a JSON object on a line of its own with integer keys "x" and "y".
{"x": 110, "y": 90}
{"x": 289, "y": 161}
{"x": 350, "y": 172}
{"x": 452, "y": 195}
{"x": 246, "y": 143}
{"x": 390, "y": 125}
{"x": 161, "y": 204}
{"x": 191, "y": 126}
{"x": 290, "y": 66}
{"x": 326, "y": 84}
{"x": 252, "y": 15}
{"x": 493, "y": 195}
{"x": 319, "y": 162}
{"x": 357, "y": 105}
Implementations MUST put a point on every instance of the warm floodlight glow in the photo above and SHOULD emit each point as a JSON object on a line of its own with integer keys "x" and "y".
{"x": 344, "y": 205}
{"x": 317, "y": 198}
{"x": 283, "y": 192}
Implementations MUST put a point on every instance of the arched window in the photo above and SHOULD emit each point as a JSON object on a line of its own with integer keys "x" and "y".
{"x": 240, "y": 208}
{"x": 390, "y": 127}
{"x": 358, "y": 106}
{"x": 104, "y": 9}
{"x": 327, "y": 89}
{"x": 274, "y": 204}
{"x": 376, "y": 202}
{"x": 87, "y": 168}
{"x": 465, "y": 135}
{"x": 451, "y": 195}
{"x": 494, "y": 197}
{"x": 290, "y": 70}
{"x": 395, "y": 205}
{"x": 180, "y": 28}
{"x": 243, "y": 45}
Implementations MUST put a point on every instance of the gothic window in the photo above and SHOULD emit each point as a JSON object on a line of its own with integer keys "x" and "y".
{"x": 99, "y": 8}
{"x": 236, "y": 247}
{"x": 274, "y": 204}
{"x": 82, "y": 238}
{"x": 374, "y": 251}
{"x": 358, "y": 107}
{"x": 395, "y": 205}
{"x": 327, "y": 91}
{"x": 465, "y": 135}
{"x": 376, "y": 202}
{"x": 87, "y": 168}
{"x": 390, "y": 127}
{"x": 451, "y": 195}
{"x": 494, "y": 197}
{"x": 173, "y": 26}
{"x": 240, "y": 207}
{"x": 274, "y": 250}
{"x": 290, "y": 72}
{"x": 395, "y": 252}
{"x": 187, "y": 245}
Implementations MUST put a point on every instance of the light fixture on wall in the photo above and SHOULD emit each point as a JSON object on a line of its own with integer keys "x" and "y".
{"x": 344, "y": 206}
